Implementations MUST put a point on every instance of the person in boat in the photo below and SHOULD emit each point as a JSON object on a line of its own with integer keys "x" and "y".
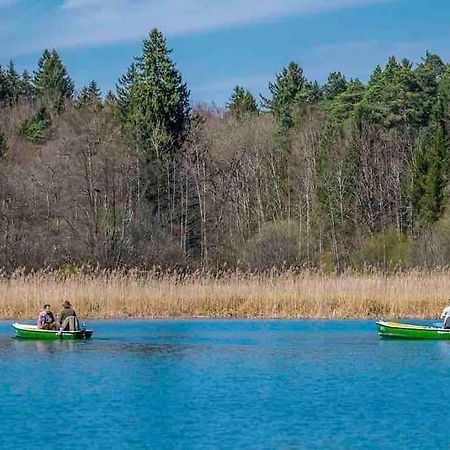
{"x": 68, "y": 318}
{"x": 445, "y": 316}
{"x": 46, "y": 319}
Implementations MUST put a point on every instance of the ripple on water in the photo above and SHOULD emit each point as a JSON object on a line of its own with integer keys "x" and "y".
{"x": 225, "y": 384}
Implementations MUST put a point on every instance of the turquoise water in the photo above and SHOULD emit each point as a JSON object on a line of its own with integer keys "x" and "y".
{"x": 225, "y": 385}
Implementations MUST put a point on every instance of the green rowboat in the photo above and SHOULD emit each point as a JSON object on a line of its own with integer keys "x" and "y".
{"x": 33, "y": 332}
{"x": 407, "y": 331}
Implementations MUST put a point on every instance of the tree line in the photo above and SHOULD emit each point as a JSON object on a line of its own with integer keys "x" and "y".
{"x": 344, "y": 174}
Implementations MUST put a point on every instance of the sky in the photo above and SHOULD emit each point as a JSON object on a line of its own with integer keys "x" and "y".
{"x": 218, "y": 44}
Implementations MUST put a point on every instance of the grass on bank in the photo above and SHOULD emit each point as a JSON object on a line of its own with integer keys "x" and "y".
{"x": 287, "y": 295}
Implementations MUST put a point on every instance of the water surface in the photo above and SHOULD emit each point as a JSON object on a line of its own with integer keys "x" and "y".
{"x": 227, "y": 385}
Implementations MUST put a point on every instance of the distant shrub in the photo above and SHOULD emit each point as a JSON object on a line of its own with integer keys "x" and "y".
{"x": 33, "y": 129}
{"x": 386, "y": 250}
{"x": 276, "y": 245}
{"x": 327, "y": 263}
{"x": 432, "y": 248}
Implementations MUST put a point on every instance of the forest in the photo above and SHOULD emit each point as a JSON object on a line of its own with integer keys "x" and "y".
{"x": 344, "y": 175}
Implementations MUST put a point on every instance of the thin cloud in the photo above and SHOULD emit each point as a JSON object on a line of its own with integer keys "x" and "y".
{"x": 99, "y": 22}
{"x": 80, "y": 4}
{"x": 77, "y": 23}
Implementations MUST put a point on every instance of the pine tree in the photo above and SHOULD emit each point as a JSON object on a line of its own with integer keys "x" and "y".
{"x": 431, "y": 70}
{"x": 82, "y": 97}
{"x": 14, "y": 83}
{"x": 90, "y": 97}
{"x": 314, "y": 92}
{"x": 153, "y": 100}
{"x": 290, "y": 92}
{"x": 10, "y": 84}
{"x": 376, "y": 75}
{"x": 110, "y": 97}
{"x": 94, "y": 91}
{"x": 4, "y": 87}
{"x": 242, "y": 103}
{"x": 110, "y": 103}
{"x": 431, "y": 161}
{"x": 440, "y": 113}
{"x": 26, "y": 86}
{"x": 343, "y": 105}
{"x": 33, "y": 129}
{"x": 393, "y": 97}
{"x": 153, "y": 108}
{"x": 335, "y": 85}
{"x": 52, "y": 83}
{"x": 125, "y": 94}
{"x": 430, "y": 176}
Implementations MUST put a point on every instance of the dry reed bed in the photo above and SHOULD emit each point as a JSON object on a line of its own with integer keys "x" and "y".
{"x": 289, "y": 295}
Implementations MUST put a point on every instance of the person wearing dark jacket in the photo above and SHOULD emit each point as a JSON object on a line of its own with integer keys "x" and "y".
{"x": 66, "y": 311}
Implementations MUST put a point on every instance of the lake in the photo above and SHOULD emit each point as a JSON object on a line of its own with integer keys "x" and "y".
{"x": 225, "y": 384}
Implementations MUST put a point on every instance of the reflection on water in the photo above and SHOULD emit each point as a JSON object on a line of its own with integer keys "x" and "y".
{"x": 47, "y": 347}
{"x": 5, "y": 344}
{"x": 444, "y": 349}
{"x": 224, "y": 384}
{"x": 102, "y": 346}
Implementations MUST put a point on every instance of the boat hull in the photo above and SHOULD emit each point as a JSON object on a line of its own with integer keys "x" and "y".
{"x": 32, "y": 332}
{"x": 397, "y": 330}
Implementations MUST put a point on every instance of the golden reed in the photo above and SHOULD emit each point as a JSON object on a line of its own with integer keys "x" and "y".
{"x": 278, "y": 295}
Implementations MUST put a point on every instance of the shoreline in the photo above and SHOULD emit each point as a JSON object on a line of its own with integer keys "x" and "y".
{"x": 117, "y": 318}
{"x": 231, "y": 319}
{"x": 288, "y": 295}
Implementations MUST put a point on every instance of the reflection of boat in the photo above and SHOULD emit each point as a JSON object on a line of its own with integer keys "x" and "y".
{"x": 33, "y": 332}
{"x": 408, "y": 331}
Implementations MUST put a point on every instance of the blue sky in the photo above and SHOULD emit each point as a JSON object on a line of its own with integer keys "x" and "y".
{"x": 220, "y": 43}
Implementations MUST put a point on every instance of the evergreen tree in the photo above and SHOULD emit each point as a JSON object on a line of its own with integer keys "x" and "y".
{"x": 110, "y": 97}
{"x": 94, "y": 91}
{"x": 82, "y": 97}
{"x": 400, "y": 95}
{"x": 153, "y": 100}
{"x": 441, "y": 109}
{"x": 335, "y": 85}
{"x": 52, "y": 83}
{"x": 33, "y": 129}
{"x": 343, "y": 105}
{"x": 314, "y": 92}
{"x": 427, "y": 77}
{"x": 125, "y": 95}
{"x": 242, "y": 103}
{"x": 90, "y": 97}
{"x": 431, "y": 162}
{"x": 26, "y": 87}
{"x": 430, "y": 71}
{"x": 110, "y": 102}
{"x": 290, "y": 92}
{"x": 430, "y": 176}
{"x": 10, "y": 84}
{"x": 376, "y": 75}
{"x": 4, "y": 87}
{"x": 392, "y": 98}
{"x": 14, "y": 83}
{"x": 153, "y": 108}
